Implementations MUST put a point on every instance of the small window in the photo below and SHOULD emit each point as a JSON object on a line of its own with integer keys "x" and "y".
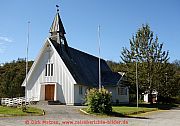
{"x": 62, "y": 41}
{"x": 118, "y": 91}
{"x": 80, "y": 90}
{"x": 46, "y": 70}
{"x": 122, "y": 91}
{"x": 49, "y": 70}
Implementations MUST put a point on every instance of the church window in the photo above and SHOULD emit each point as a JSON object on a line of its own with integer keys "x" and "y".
{"x": 122, "y": 91}
{"x": 80, "y": 90}
{"x": 49, "y": 70}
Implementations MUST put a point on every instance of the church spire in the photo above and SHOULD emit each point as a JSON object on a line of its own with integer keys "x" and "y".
{"x": 57, "y": 25}
{"x": 57, "y": 33}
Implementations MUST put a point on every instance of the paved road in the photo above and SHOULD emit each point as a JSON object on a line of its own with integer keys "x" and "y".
{"x": 61, "y": 114}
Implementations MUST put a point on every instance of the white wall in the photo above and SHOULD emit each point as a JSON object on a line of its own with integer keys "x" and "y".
{"x": 42, "y": 92}
{"x": 146, "y": 98}
{"x": 79, "y": 98}
{"x": 61, "y": 76}
{"x": 66, "y": 88}
{"x": 115, "y": 96}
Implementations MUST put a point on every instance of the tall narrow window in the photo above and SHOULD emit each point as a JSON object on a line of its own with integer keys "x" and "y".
{"x": 118, "y": 90}
{"x": 49, "y": 70}
{"x": 46, "y": 70}
{"x": 80, "y": 90}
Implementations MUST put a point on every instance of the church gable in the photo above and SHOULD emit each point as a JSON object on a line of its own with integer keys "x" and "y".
{"x": 47, "y": 66}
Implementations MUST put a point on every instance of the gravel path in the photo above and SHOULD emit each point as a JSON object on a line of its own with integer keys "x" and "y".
{"x": 64, "y": 115}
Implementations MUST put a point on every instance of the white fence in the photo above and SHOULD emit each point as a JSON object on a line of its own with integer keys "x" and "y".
{"x": 14, "y": 101}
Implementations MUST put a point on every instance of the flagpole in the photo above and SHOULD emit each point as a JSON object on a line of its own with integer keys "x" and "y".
{"x": 99, "y": 41}
{"x": 27, "y": 50}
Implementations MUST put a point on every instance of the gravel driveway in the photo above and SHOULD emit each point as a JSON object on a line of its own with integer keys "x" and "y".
{"x": 69, "y": 115}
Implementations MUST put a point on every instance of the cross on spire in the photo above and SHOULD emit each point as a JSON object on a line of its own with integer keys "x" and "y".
{"x": 57, "y": 6}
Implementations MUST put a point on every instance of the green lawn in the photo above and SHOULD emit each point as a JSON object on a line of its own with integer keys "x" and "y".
{"x": 11, "y": 111}
{"x": 125, "y": 110}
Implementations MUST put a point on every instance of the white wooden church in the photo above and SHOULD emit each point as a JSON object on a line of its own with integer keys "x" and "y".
{"x": 62, "y": 73}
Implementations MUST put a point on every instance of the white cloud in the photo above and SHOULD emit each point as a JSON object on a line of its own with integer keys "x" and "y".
{"x": 5, "y": 39}
{"x": 4, "y": 42}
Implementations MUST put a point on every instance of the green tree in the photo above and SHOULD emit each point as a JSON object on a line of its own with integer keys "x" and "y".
{"x": 11, "y": 77}
{"x": 176, "y": 64}
{"x": 116, "y": 67}
{"x": 152, "y": 60}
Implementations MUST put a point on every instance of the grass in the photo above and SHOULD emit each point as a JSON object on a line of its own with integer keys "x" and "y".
{"x": 11, "y": 111}
{"x": 121, "y": 111}
{"x": 126, "y": 110}
{"x": 131, "y": 109}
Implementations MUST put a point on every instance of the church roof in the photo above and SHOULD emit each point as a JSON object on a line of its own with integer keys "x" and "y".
{"x": 84, "y": 67}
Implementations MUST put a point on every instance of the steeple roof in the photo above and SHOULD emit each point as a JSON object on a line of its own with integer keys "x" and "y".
{"x": 57, "y": 25}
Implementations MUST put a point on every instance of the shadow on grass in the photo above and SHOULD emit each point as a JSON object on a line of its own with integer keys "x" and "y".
{"x": 116, "y": 114}
{"x": 30, "y": 112}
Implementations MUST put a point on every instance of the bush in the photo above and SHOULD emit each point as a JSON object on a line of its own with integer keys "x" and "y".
{"x": 24, "y": 108}
{"x": 99, "y": 101}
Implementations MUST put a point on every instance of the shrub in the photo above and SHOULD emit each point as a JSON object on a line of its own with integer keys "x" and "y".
{"x": 24, "y": 108}
{"x": 99, "y": 101}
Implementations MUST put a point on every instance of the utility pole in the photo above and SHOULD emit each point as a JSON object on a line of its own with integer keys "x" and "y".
{"x": 137, "y": 87}
{"x": 27, "y": 50}
{"x": 99, "y": 41}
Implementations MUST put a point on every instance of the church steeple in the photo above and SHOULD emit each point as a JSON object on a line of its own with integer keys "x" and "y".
{"x": 57, "y": 26}
{"x": 57, "y": 32}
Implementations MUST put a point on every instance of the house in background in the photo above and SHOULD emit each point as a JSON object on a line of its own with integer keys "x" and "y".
{"x": 62, "y": 73}
{"x": 147, "y": 97}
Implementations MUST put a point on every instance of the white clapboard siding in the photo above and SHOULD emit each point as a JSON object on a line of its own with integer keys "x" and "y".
{"x": 61, "y": 76}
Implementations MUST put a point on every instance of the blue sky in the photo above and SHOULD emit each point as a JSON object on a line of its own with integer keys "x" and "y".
{"x": 119, "y": 20}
